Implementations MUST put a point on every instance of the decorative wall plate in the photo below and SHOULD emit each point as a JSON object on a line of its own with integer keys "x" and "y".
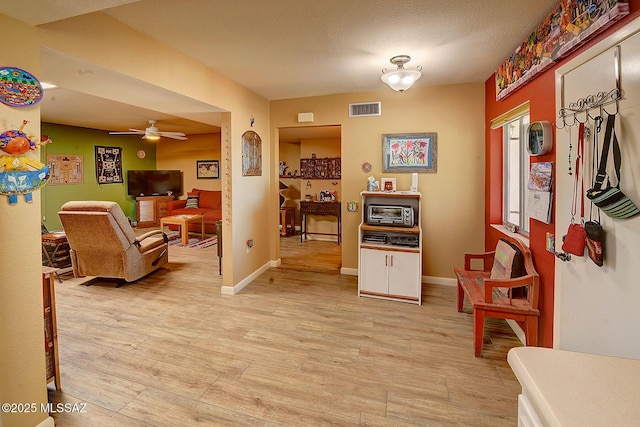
{"x": 18, "y": 88}
{"x": 366, "y": 167}
{"x": 141, "y": 154}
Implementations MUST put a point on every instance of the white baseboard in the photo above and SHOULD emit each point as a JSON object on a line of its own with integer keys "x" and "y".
{"x": 518, "y": 330}
{"x": 439, "y": 281}
{"x": 232, "y": 290}
{"x": 349, "y": 271}
{"x": 48, "y": 422}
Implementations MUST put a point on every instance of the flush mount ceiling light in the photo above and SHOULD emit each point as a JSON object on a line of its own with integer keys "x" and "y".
{"x": 401, "y": 79}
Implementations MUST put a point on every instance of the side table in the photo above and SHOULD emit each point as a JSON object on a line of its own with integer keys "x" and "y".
{"x": 183, "y": 221}
{"x": 287, "y": 220}
{"x": 319, "y": 208}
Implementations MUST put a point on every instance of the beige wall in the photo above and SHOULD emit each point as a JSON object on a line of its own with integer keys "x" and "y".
{"x": 453, "y": 201}
{"x": 173, "y": 154}
{"x": 22, "y": 361}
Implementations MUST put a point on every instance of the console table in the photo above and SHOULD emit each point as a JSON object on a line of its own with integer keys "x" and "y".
{"x": 319, "y": 208}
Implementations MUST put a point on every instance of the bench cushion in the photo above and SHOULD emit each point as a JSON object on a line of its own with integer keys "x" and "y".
{"x": 508, "y": 261}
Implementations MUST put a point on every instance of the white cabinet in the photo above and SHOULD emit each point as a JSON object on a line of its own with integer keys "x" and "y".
{"x": 390, "y": 257}
{"x": 390, "y": 273}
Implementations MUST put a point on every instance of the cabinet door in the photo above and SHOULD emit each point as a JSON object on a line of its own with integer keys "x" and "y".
{"x": 373, "y": 271}
{"x": 404, "y": 274}
{"x": 146, "y": 212}
{"x": 162, "y": 207}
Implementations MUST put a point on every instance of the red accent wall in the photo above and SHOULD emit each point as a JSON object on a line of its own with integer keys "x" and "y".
{"x": 540, "y": 93}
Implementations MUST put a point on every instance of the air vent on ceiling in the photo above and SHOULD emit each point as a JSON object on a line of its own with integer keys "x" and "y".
{"x": 365, "y": 109}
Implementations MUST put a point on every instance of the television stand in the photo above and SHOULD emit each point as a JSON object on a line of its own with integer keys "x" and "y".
{"x": 150, "y": 209}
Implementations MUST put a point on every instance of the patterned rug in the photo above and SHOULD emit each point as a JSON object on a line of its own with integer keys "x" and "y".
{"x": 194, "y": 240}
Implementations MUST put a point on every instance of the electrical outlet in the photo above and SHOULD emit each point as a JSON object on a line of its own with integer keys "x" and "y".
{"x": 249, "y": 245}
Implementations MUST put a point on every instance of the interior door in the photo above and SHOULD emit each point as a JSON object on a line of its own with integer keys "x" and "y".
{"x": 596, "y": 307}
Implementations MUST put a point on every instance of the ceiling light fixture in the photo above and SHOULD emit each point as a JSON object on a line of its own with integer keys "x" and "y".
{"x": 401, "y": 79}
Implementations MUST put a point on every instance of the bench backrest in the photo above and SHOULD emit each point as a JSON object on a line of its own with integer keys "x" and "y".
{"x": 530, "y": 270}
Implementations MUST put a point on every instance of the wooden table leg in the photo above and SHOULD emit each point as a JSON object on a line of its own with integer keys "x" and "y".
{"x": 184, "y": 231}
{"x": 283, "y": 222}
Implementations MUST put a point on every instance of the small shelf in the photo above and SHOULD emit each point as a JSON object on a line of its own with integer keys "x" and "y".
{"x": 398, "y": 194}
{"x": 390, "y": 247}
{"x": 390, "y": 229}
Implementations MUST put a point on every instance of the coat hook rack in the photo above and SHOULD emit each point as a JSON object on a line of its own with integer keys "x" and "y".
{"x": 590, "y": 102}
{"x": 599, "y": 100}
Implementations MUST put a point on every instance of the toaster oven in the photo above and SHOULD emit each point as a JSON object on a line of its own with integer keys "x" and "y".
{"x": 396, "y": 216}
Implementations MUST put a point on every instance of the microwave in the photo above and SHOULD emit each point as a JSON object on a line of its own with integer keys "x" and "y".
{"x": 397, "y": 216}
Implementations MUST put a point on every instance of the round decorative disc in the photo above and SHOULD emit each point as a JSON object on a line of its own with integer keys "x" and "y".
{"x": 366, "y": 167}
{"x": 141, "y": 154}
{"x": 18, "y": 88}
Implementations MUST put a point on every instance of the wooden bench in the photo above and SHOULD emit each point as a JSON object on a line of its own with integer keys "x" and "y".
{"x": 492, "y": 298}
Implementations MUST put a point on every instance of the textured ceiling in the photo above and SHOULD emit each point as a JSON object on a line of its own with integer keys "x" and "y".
{"x": 296, "y": 48}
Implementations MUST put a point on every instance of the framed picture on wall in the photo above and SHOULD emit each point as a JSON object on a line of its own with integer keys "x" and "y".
{"x": 251, "y": 154}
{"x": 409, "y": 152}
{"x": 207, "y": 169}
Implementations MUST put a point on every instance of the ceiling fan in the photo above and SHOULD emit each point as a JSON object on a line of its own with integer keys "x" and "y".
{"x": 152, "y": 133}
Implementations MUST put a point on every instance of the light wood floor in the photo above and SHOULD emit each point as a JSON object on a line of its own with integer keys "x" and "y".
{"x": 296, "y": 347}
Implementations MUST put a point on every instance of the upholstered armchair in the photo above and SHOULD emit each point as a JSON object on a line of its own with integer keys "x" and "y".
{"x": 103, "y": 243}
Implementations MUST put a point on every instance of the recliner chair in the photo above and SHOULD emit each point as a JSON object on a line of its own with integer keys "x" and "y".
{"x": 104, "y": 244}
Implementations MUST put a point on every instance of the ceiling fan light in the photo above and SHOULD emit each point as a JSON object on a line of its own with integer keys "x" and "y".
{"x": 150, "y": 137}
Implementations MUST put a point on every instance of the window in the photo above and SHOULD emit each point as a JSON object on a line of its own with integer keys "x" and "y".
{"x": 516, "y": 173}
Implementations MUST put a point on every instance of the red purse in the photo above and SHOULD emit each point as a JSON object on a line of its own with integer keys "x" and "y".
{"x": 575, "y": 240}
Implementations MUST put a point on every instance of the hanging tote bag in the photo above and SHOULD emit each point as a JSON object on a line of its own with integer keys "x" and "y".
{"x": 610, "y": 199}
{"x": 575, "y": 240}
{"x": 593, "y": 228}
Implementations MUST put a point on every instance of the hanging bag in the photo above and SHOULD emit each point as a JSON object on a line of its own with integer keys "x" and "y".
{"x": 593, "y": 229}
{"x": 595, "y": 242}
{"x": 575, "y": 240}
{"x": 610, "y": 199}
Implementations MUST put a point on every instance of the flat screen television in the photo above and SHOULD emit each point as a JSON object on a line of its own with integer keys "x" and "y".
{"x": 154, "y": 182}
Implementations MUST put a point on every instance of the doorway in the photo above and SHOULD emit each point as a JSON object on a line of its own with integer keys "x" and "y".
{"x": 319, "y": 249}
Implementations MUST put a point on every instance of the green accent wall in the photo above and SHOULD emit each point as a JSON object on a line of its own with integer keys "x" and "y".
{"x": 82, "y": 141}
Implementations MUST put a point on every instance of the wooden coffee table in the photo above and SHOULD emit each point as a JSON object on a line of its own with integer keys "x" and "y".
{"x": 183, "y": 221}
